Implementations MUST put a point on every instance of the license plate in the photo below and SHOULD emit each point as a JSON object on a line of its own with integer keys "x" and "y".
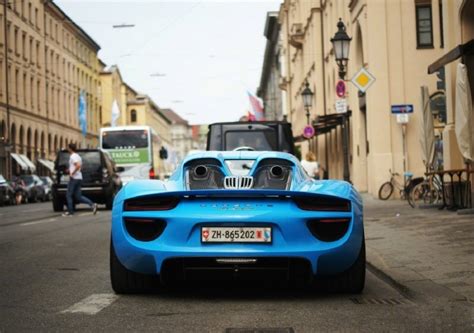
{"x": 236, "y": 235}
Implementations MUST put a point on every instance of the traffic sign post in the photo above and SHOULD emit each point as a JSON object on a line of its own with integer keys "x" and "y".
{"x": 341, "y": 105}
{"x": 363, "y": 80}
{"x": 341, "y": 89}
{"x": 402, "y": 108}
{"x": 308, "y": 131}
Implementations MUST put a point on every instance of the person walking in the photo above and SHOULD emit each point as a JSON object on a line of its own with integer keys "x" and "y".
{"x": 310, "y": 165}
{"x": 75, "y": 182}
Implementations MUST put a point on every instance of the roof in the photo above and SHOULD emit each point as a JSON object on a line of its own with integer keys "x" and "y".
{"x": 85, "y": 35}
{"x": 174, "y": 117}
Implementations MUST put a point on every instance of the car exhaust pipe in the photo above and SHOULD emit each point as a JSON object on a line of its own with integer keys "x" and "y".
{"x": 276, "y": 171}
{"x": 201, "y": 171}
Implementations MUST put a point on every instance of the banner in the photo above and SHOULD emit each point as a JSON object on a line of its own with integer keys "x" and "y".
{"x": 115, "y": 113}
{"x": 83, "y": 112}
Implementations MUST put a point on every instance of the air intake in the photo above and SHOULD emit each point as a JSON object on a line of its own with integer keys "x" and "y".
{"x": 238, "y": 182}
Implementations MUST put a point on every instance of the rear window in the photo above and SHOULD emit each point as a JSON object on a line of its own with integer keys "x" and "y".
{"x": 125, "y": 139}
{"x": 89, "y": 158}
{"x": 27, "y": 179}
{"x": 257, "y": 139}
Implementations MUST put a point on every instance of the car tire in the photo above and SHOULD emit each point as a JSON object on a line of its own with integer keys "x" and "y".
{"x": 125, "y": 281}
{"x": 351, "y": 281}
{"x": 58, "y": 205}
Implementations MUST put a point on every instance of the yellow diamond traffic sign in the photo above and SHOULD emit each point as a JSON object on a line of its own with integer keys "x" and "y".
{"x": 363, "y": 79}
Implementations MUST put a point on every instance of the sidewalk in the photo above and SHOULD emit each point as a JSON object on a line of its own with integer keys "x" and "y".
{"x": 411, "y": 245}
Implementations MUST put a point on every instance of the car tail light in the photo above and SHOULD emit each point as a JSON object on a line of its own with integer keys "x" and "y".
{"x": 321, "y": 203}
{"x": 151, "y": 173}
{"x": 144, "y": 229}
{"x": 329, "y": 229}
{"x": 151, "y": 204}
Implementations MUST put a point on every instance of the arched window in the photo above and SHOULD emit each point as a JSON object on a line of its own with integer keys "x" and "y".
{"x": 133, "y": 116}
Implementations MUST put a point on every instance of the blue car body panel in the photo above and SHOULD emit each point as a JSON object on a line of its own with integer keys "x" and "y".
{"x": 251, "y": 207}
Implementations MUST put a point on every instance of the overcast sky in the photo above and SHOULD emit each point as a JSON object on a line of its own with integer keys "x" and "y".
{"x": 210, "y": 52}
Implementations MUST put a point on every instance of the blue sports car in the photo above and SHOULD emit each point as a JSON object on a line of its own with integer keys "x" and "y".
{"x": 237, "y": 215}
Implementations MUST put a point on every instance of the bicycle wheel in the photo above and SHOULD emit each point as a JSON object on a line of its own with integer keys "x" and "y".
{"x": 385, "y": 191}
{"x": 418, "y": 194}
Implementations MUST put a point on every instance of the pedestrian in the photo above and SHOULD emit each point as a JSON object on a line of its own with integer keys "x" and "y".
{"x": 310, "y": 165}
{"x": 75, "y": 182}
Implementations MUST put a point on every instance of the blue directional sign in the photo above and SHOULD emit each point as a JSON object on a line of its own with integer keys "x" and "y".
{"x": 402, "y": 108}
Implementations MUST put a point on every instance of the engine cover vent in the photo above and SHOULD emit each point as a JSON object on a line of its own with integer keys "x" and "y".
{"x": 238, "y": 182}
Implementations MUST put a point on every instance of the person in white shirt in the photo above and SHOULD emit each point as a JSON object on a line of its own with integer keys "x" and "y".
{"x": 75, "y": 182}
{"x": 310, "y": 165}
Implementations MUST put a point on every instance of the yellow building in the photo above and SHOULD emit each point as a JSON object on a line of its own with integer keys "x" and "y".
{"x": 134, "y": 109}
{"x": 49, "y": 60}
{"x": 395, "y": 40}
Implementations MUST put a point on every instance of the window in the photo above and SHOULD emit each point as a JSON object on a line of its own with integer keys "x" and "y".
{"x": 36, "y": 18}
{"x": 32, "y": 59}
{"x": 16, "y": 40}
{"x": 441, "y": 28}
{"x": 133, "y": 116}
{"x": 30, "y": 18}
{"x": 424, "y": 26}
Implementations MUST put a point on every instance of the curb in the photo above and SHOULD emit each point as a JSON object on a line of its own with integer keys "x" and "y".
{"x": 376, "y": 265}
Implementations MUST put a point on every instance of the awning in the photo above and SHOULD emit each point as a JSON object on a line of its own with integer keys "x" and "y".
{"x": 325, "y": 124}
{"x": 20, "y": 161}
{"x": 47, "y": 164}
{"x": 454, "y": 54}
{"x": 27, "y": 161}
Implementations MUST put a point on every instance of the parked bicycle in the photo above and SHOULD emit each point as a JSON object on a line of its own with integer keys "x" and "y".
{"x": 428, "y": 192}
{"x": 387, "y": 188}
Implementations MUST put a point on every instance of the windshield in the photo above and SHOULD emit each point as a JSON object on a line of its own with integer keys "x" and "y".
{"x": 125, "y": 139}
{"x": 257, "y": 139}
{"x": 27, "y": 179}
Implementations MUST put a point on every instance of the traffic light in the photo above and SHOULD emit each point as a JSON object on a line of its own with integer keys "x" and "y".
{"x": 163, "y": 153}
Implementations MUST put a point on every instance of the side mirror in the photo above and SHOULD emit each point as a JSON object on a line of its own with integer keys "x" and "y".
{"x": 119, "y": 169}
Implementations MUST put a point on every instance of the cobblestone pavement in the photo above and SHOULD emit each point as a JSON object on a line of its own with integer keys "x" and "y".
{"x": 411, "y": 245}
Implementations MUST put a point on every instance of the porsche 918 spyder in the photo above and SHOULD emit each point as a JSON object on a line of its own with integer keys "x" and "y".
{"x": 237, "y": 215}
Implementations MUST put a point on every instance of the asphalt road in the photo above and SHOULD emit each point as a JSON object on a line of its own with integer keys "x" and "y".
{"x": 54, "y": 276}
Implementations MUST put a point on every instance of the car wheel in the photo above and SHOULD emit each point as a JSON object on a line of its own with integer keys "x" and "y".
{"x": 58, "y": 205}
{"x": 351, "y": 281}
{"x": 125, "y": 281}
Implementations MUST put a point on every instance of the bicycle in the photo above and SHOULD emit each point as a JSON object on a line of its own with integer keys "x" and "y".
{"x": 387, "y": 188}
{"x": 428, "y": 192}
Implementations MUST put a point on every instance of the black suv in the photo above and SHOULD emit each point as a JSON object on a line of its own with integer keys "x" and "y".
{"x": 100, "y": 181}
{"x": 259, "y": 135}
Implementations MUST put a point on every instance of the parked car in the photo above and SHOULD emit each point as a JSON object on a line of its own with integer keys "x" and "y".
{"x": 34, "y": 188}
{"x": 100, "y": 179}
{"x": 7, "y": 193}
{"x": 47, "y": 185}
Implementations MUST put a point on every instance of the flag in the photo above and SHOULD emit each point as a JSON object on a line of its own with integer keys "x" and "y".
{"x": 250, "y": 116}
{"x": 256, "y": 107}
{"x": 83, "y": 112}
{"x": 115, "y": 113}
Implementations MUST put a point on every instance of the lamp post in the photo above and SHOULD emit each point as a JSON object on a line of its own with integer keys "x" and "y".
{"x": 307, "y": 95}
{"x": 341, "y": 42}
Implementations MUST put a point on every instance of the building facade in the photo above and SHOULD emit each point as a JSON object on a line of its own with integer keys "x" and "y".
{"x": 49, "y": 62}
{"x": 269, "y": 90}
{"x": 395, "y": 40}
{"x": 181, "y": 136}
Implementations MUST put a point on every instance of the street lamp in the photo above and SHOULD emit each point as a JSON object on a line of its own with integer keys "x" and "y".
{"x": 307, "y": 95}
{"x": 340, "y": 43}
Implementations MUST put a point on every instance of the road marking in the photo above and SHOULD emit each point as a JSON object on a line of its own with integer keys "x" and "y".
{"x": 92, "y": 304}
{"x": 38, "y": 222}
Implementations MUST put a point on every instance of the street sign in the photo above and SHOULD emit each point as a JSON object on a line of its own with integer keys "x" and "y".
{"x": 402, "y": 108}
{"x": 363, "y": 79}
{"x": 402, "y": 118}
{"x": 341, "y": 88}
{"x": 309, "y": 131}
{"x": 341, "y": 105}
